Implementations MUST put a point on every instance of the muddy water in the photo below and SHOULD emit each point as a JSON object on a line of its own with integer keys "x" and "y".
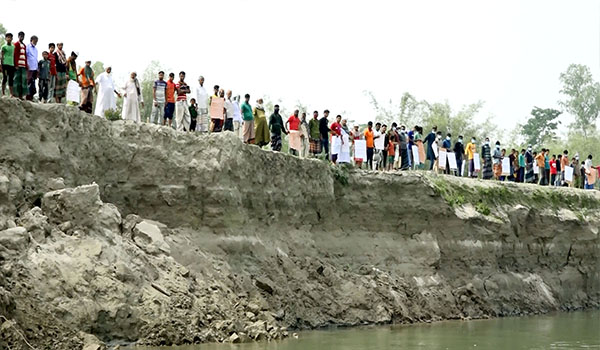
{"x": 577, "y": 330}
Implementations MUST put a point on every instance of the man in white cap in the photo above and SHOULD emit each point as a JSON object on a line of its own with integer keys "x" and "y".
{"x": 106, "y": 99}
{"x": 132, "y": 94}
{"x": 202, "y": 101}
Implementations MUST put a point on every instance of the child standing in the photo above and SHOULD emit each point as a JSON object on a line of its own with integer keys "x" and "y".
{"x": 44, "y": 77}
{"x": 390, "y": 153}
{"x": 193, "y": 114}
{"x": 552, "y": 170}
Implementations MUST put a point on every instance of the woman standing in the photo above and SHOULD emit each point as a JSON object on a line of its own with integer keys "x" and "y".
{"x": 262, "y": 137}
{"x": 418, "y": 139}
{"x": 486, "y": 154}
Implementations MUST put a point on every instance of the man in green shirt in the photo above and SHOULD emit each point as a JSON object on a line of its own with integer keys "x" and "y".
{"x": 276, "y": 126}
{"x": 314, "y": 135}
{"x": 248, "y": 132}
{"x": 7, "y": 57}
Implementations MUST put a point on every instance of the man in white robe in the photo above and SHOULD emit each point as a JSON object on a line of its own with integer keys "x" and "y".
{"x": 132, "y": 94}
{"x": 202, "y": 101}
{"x": 106, "y": 93}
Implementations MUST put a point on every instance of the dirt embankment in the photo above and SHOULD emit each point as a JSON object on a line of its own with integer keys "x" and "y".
{"x": 176, "y": 238}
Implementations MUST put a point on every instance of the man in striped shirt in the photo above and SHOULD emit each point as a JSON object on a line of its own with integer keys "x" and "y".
{"x": 20, "y": 80}
{"x": 182, "y": 111}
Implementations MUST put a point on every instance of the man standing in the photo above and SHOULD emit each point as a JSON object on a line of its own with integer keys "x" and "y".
{"x": 324, "y": 131}
{"x": 20, "y": 79}
{"x": 470, "y": 152}
{"x": 229, "y": 112}
{"x": 248, "y": 117}
{"x": 378, "y": 146}
{"x": 132, "y": 94}
{"x": 106, "y": 94}
{"x": 459, "y": 151}
{"x": 336, "y": 138}
{"x": 237, "y": 117}
{"x": 170, "y": 106}
{"x": 430, "y": 139}
{"x": 314, "y": 135}
{"x": 60, "y": 88}
{"x": 32, "y": 67}
{"x": 87, "y": 84}
{"x": 159, "y": 95}
{"x": 370, "y": 138}
{"x": 276, "y": 126}
{"x": 202, "y": 101}
{"x": 7, "y": 58}
{"x": 294, "y": 132}
{"x": 447, "y": 146}
{"x": 540, "y": 160}
{"x": 304, "y": 136}
{"x": 403, "y": 148}
{"x": 182, "y": 112}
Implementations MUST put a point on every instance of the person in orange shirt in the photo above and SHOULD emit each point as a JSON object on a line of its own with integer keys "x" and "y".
{"x": 370, "y": 138}
{"x": 87, "y": 84}
{"x": 541, "y": 161}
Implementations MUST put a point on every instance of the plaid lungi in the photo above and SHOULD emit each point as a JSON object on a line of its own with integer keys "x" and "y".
{"x": 315, "y": 146}
{"x": 60, "y": 90}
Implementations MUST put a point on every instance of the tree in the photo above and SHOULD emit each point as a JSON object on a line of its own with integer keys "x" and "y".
{"x": 541, "y": 126}
{"x": 582, "y": 97}
{"x": 2, "y": 32}
{"x": 98, "y": 68}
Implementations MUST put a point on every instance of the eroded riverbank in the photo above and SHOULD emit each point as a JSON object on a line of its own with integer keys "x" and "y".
{"x": 176, "y": 238}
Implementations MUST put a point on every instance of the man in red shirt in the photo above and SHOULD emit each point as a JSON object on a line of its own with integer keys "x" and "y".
{"x": 52, "y": 82}
{"x": 20, "y": 80}
{"x": 293, "y": 124}
{"x": 336, "y": 142}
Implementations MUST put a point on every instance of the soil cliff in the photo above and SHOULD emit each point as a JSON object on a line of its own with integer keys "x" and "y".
{"x": 114, "y": 232}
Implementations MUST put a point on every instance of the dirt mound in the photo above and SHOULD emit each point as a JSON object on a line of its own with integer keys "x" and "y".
{"x": 133, "y": 233}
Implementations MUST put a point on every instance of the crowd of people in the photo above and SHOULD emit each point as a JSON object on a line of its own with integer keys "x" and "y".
{"x": 192, "y": 109}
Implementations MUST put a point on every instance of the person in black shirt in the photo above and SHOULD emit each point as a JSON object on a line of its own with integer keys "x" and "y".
{"x": 325, "y": 130}
{"x": 459, "y": 152}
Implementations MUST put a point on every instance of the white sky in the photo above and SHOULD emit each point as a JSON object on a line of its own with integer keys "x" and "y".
{"x": 325, "y": 53}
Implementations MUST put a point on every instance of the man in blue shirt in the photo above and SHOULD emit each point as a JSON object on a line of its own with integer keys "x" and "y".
{"x": 32, "y": 67}
{"x": 447, "y": 145}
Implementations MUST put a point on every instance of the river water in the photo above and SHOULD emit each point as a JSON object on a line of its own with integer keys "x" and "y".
{"x": 576, "y": 330}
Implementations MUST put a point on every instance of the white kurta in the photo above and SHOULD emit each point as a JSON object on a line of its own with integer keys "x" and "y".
{"x": 131, "y": 102}
{"x": 106, "y": 94}
{"x": 344, "y": 155}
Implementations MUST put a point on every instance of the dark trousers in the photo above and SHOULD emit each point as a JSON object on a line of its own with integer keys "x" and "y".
{"x": 404, "y": 159}
{"x": 370, "y": 151}
{"x": 385, "y": 156}
{"x": 228, "y": 124}
{"x": 521, "y": 174}
{"x": 31, "y": 77}
{"x": 325, "y": 146}
{"x": 193, "y": 122}
{"x": 43, "y": 85}
{"x": 8, "y": 76}
{"x": 459, "y": 163}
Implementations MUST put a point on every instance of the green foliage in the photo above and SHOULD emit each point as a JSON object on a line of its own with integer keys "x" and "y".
{"x": 411, "y": 111}
{"x": 98, "y": 68}
{"x": 582, "y": 97}
{"x": 341, "y": 173}
{"x": 113, "y": 114}
{"x": 541, "y": 127}
{"x": 2, "y": 32}
{"x": 483, "y": 208}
